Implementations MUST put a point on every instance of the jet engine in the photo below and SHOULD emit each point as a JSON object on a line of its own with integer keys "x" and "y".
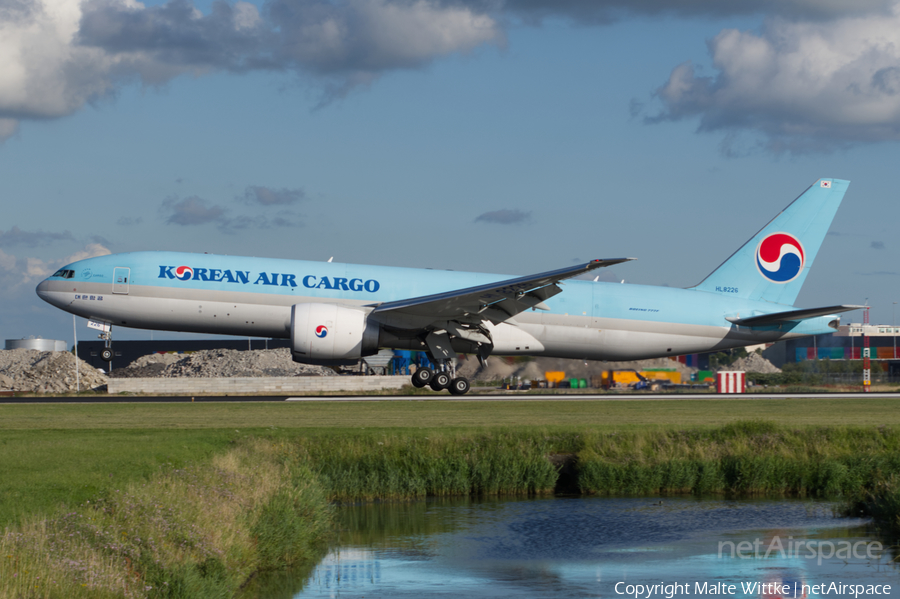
{"x": 331, "y": 334}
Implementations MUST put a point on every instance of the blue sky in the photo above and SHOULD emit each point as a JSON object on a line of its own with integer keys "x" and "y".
{"x": 509, "y": 137}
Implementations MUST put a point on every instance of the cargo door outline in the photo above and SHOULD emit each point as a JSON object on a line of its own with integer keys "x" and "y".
{"x": 121, "y": 274}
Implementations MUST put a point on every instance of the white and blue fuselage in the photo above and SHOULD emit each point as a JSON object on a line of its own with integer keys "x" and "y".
{"x": 337, "y": 312}
{"x": 232, "y": 295}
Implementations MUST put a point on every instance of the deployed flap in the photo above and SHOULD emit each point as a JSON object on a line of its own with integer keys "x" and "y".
{"x": 791, "y": 315}
{"x": 528, "y": 291}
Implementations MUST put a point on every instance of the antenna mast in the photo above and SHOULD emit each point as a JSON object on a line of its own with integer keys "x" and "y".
{"x": 867, "y": 372}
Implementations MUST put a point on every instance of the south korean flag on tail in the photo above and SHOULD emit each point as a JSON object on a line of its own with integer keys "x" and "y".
{"x": 826, "y": 184}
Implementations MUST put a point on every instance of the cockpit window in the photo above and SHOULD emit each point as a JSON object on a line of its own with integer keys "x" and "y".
{"x": 64, "y": 273}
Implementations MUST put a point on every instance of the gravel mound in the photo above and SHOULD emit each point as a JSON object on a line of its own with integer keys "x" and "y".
{"x": 215, "y": 363}
{"x": 754, "y": 363}
{"x": 147, "y": 366}
{"x": 157, "y": 360}
{"x": 33, "y": 371}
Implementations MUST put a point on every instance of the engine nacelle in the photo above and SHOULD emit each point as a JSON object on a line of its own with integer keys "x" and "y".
{"x": 331, "y": 334}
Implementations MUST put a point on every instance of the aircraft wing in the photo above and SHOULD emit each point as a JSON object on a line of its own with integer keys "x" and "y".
{"x": 495, "y": 301}
{"x": 790, "y": 316}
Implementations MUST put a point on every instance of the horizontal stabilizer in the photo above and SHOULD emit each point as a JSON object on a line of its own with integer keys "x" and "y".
{"x": 790, "y": 316}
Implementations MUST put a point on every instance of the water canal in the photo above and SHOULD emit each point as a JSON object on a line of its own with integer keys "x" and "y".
{"x": 597, "y": 547}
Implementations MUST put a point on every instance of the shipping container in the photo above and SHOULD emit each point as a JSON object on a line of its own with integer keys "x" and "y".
{"x": 705, "y": 376}
{"x": 620, "y": 377}
{"x": 554, "y": 376}
{"x": 672, "y": 376}
{"x": 885, "y": 353}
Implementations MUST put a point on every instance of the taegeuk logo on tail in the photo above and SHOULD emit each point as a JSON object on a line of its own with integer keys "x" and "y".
{"x": 780, "y": 257}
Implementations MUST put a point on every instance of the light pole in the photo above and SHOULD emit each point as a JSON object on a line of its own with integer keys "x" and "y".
{"x": 867, "y": 364}
{"x": 894, "y": 328}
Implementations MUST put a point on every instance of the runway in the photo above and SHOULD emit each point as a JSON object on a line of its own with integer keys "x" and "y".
{"x": 604, "y": 397}
{"x": 511, "y": 396}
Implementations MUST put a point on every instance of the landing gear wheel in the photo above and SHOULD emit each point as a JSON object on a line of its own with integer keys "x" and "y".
{"x": 107, "y": 355}
{"x": 459, "y": 386}
{"x": 440, "y": 381}
{"x": 421, "y": 377}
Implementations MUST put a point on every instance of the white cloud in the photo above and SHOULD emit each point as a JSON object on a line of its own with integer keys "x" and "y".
{"x": 820, "y": 71}
{"x": 267, "y": 196}
{"x": 246, "y": 15}
{"x": 59, "y": 55}
{"x": 603, "y": 11}
{"x": 504, "y": 217}
{"x": 24, "y": 272}
{"x": 192, "y": 211}
{"x": 413, "y": 34}
{"x": 7, "y": 262}
{"x": 802, "y": 86}
{"x": 17, "y": 237}
{"x": 8, "y": 128}
{"x": 91, "y": 250}
{"x": 36, "y": 269}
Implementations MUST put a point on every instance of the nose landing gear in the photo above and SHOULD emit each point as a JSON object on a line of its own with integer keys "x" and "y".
{"x": 107, "y": 354}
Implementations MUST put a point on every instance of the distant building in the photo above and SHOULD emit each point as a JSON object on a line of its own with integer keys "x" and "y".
{"x": 844, "y": 344}
{"x": 38, "y": 344}
{"x": 126, "y": 352}
{"x": 871, "y": 330}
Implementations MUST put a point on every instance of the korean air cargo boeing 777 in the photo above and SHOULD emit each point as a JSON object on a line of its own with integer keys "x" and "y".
{"x": 336, "y": 313}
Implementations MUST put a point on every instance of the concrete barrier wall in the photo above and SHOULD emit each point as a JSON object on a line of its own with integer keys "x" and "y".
{"x": 257, "y": 385}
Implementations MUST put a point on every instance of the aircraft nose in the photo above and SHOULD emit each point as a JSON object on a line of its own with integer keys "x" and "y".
{"x": 44, "y": 292}
{"x": 43, "y": 289}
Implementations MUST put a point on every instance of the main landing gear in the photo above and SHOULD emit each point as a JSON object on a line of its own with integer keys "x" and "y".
{"x": 444, "y": 376}
{"x": 440, "y": 380}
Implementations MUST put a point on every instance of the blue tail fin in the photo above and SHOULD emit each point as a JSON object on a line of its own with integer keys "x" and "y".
{"x": 774, "y": 263}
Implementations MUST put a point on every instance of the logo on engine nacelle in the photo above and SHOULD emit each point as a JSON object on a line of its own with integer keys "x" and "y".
{"x": 321, "y": 331}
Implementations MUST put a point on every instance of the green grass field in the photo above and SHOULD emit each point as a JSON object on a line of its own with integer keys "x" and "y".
{"x": 52, "y": 454}
{"x": 199, "y": 498}
{"x": 342, "y": 415}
